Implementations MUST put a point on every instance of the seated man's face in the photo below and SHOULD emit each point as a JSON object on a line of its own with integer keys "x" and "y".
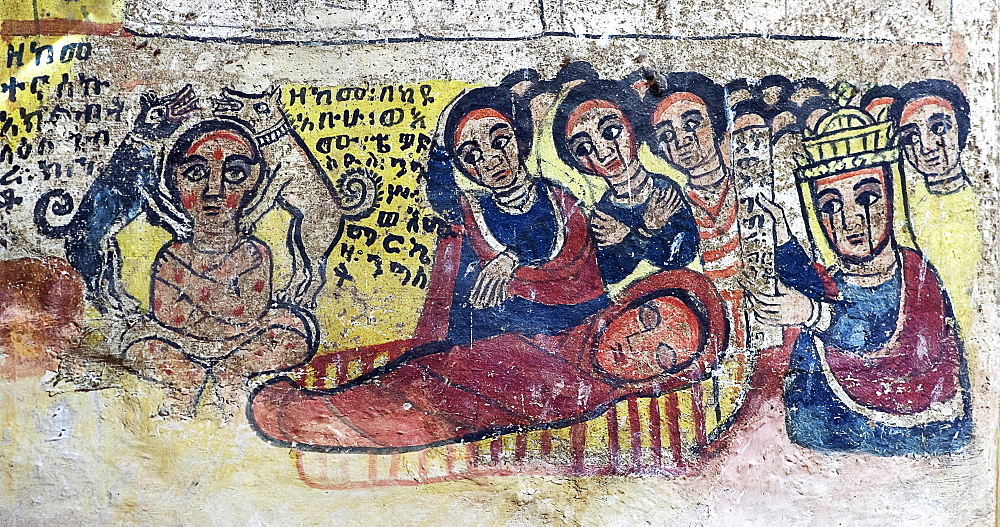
{"x": 487, "y": 150}
{"x": 683, "y": 130}
{"x": 216, "y": 174}
{"x": 854, "y": 209}
{"x": 928, "y": 134}
{"x": 601, "y": 139}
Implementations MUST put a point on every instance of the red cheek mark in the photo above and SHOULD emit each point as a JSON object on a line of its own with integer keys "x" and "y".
{"x": 238, "y": 312}
{"x": 188, "y": 199}
{"x": 258, "y": 286}
{"x": 205, "y": 295}
{"x": 232, "y": 200}
{"x": 178, "y": 277}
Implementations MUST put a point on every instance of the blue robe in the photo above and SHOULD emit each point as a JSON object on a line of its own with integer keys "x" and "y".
{"x": 674, "y": 246}
{"x": 863, "y": 322}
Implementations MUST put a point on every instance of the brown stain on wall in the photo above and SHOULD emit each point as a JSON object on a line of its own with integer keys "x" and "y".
{"x": 41, "y": 310}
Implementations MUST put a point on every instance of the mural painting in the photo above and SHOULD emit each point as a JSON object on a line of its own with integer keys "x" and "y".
{"x": 574, "y": 275}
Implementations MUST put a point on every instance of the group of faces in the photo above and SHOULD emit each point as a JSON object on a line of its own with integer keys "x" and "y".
{"x": 216, "y": 165}
{"x": 599, "y": 126}
{"x": 598, "y": 129}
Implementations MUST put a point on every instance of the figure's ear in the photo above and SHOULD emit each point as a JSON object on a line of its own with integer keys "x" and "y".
{"x": 275, "y": 94}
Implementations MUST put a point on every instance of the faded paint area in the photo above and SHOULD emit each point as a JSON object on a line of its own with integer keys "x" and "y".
{"x": 672, "y": 263}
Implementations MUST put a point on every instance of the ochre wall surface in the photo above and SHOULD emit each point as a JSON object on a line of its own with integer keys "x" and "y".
{"x": 557, "y": 263}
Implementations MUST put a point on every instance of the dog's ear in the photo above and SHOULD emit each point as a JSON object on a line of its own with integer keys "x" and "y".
{"x": 148, "y": 99}
{"x": 275, "y": 95}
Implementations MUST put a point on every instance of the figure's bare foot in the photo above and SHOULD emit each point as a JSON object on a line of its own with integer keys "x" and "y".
{"x": 232, "y": 394}
{"x": 163, "y": 362}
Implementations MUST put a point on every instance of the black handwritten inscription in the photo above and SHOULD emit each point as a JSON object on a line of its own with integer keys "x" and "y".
{"x": 386, "y": 130}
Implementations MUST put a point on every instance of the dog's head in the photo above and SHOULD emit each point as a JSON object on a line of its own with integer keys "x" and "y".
{"x": 159, "y": 117}
{"x": 260, "y": 112}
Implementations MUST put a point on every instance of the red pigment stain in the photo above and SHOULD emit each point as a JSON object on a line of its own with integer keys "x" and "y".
{"x": 188, "y": 199}
{"x": 178, "y": 276}
{"x": 205, "y": 295}
{"x": 258, "y": 286}
{"x": 157, "y": 304}
{"x": 217, "y": 154}
{"x": 232, "y": 200}
{"x": 238, "y": 312}
{"x": 179, "y": 319}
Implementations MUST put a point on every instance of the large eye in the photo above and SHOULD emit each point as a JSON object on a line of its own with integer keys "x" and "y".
{"x": 500, "y": 142}
{"x": 868, "y": 198}
{"x": 668, "y": 136}
{"x": 234, "y": 174}
{"x": 156, "y": 114}
{"x": 584, "y": 149}
{"x": 831, "y": 206}
{"x": 261, "y": 107}
{"x": 940, "y": 128}
{"x": 473, "y": 156}
{"x": 195, "y": 172}
{"x": 611, "y": 132}
{"x": 909, "y": 138}
{"x": 693, "y": 123}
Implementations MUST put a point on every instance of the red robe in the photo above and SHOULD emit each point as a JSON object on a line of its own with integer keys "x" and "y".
{"x": 432, "y": 393}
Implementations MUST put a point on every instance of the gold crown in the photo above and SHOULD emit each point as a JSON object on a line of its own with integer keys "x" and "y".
{"x": 844, "y": 140}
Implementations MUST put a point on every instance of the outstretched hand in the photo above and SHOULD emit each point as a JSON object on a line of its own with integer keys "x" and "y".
{"x": 490, "y": 289}
{"x": 607, "y": 230}
{"x": 662, "y": 205}
{"x": 787, "y": 308}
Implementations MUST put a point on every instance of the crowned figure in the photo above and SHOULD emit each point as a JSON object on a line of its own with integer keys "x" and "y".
{"x": 878, "y": 364}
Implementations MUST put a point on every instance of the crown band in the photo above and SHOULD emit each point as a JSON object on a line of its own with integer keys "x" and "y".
{"x": 858, "y": 161}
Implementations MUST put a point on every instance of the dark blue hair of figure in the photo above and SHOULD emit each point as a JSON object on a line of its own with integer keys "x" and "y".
{"x": 882, "y": 91}
{"x": 646, "y": 80}
{"x": 809, "y": 106}
{"x": 775, "y": 89}
{"x": 617, "y": 93}
{"x": 178, "y": 152}
{"x": 811, "y": 83}
{"x": 946, "y": 90}
{"x": 522, "y": 75}
{"x": 751, "y": 107}
{"x": 579, "y": 70}
{"x": 501, "y": 100}
{"x": 710, "y": 92}
{"x": 739, "y": 90}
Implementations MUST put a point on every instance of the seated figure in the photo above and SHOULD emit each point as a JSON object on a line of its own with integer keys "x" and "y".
{"x": 527, "y": 263}
{"x": 212, "y": 311}
{"x": 879, "y": 365}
